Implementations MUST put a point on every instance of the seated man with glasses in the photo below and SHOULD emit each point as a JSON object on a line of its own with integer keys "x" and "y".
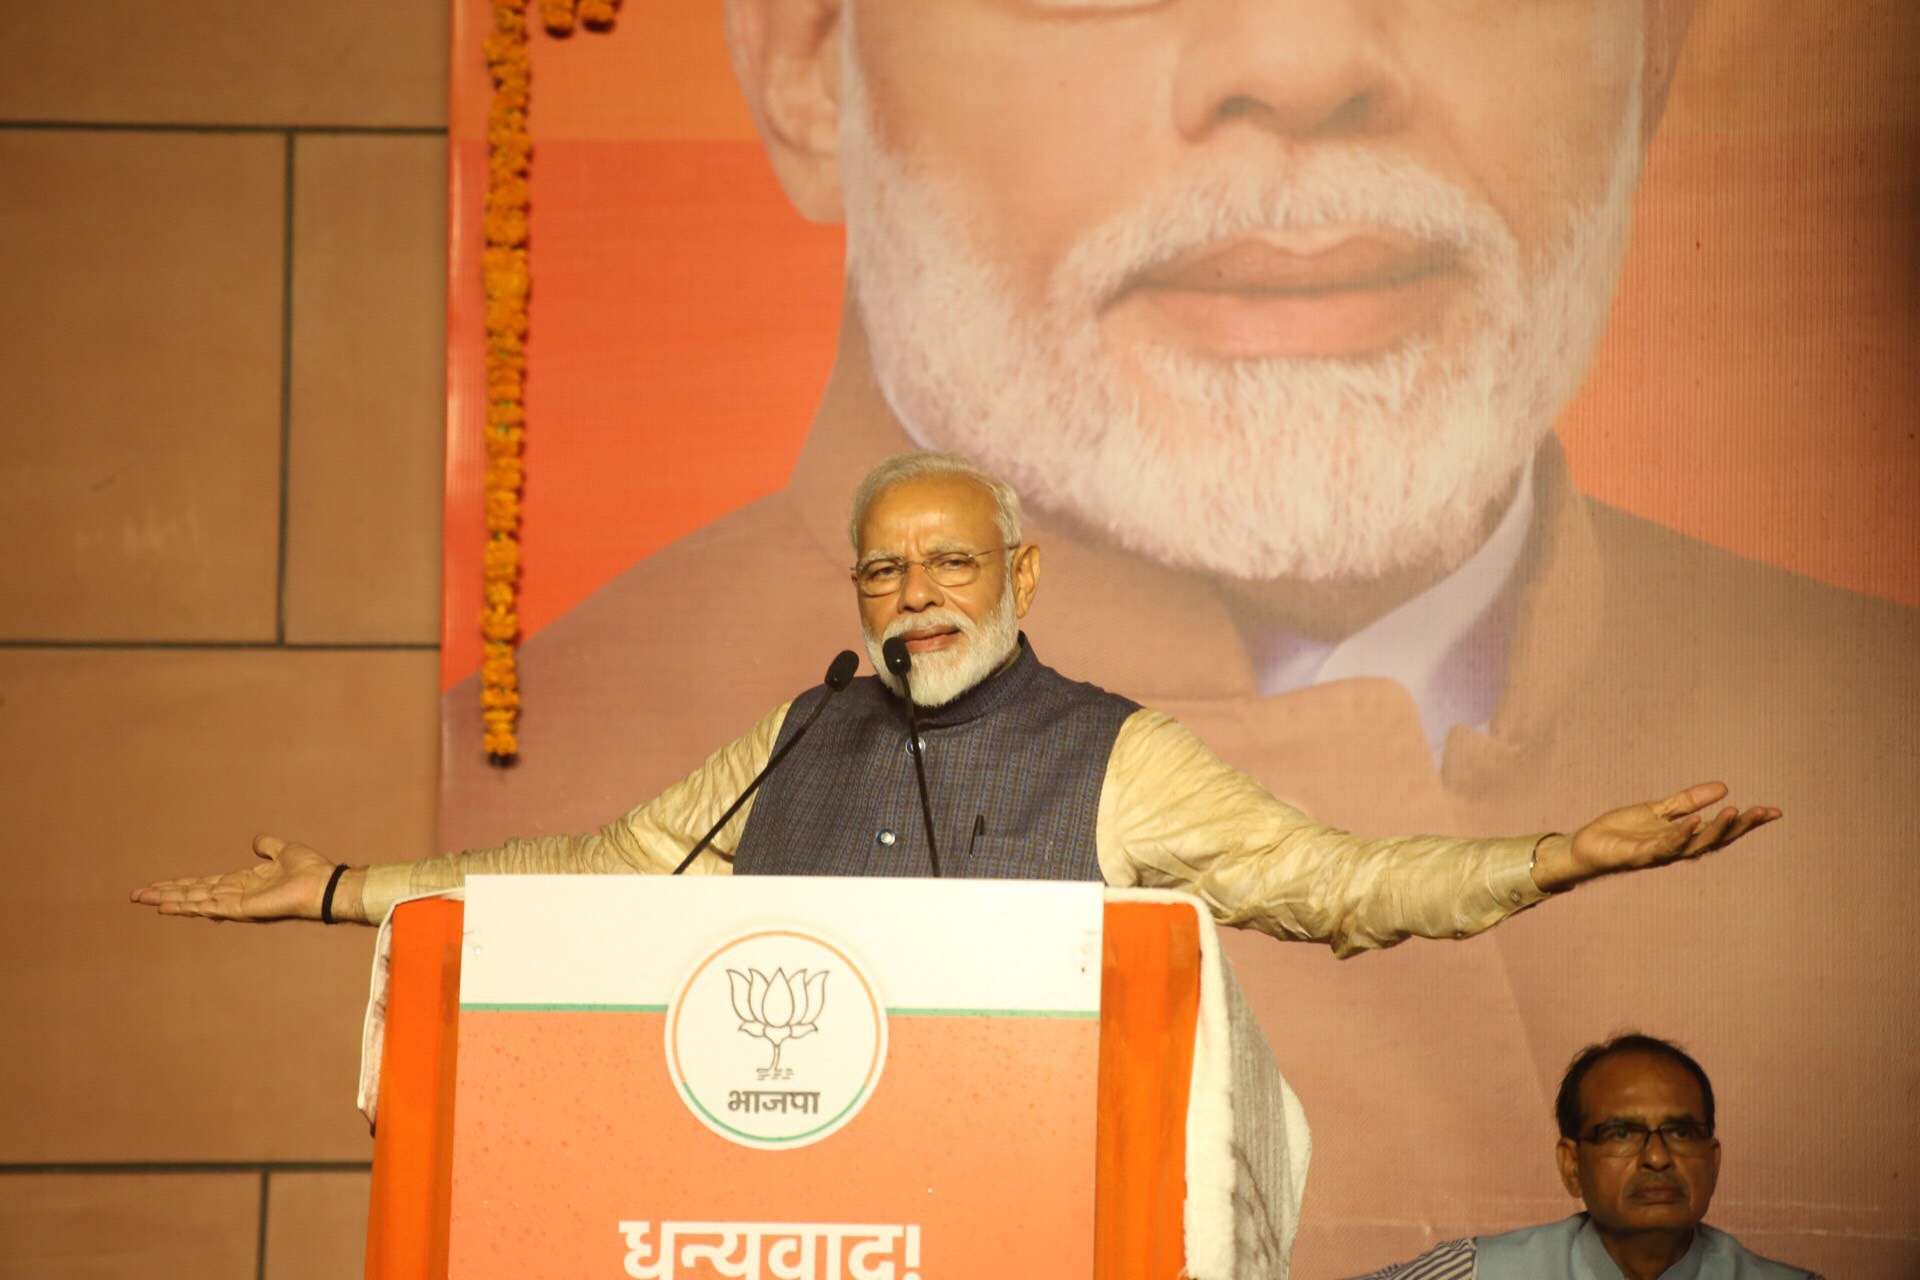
{"x": 1637, "y": 1145}
{"x": 1030, "y": 775}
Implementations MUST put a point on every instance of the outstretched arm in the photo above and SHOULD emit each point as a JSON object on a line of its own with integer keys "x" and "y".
{"x": 1173, "y": 815}
{"x": 288, "y": 883}
{"x": 1645, "y": 835}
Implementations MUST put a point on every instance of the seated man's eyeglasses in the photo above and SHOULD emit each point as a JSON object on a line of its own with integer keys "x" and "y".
{"x": 882, "y": 576}
{"x": 1625, "y": 1138}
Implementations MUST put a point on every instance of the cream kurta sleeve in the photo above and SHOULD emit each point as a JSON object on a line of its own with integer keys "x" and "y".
{"x": 1175, "y": 816}
{"x": 650, "y": 840}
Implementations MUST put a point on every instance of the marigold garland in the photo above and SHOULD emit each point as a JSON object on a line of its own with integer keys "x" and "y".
{"x": 509, "y": 284}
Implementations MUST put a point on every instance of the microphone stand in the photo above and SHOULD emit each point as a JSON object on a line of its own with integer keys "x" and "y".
{"x": 839, "y": 675}
{"x": 900, "y": 662}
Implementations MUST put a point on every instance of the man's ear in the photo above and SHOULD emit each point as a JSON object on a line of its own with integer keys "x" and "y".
{"x": 1026, "y": 578}
{"x": 786, "y": 55}
{"x": 1566, "y": 1154}
{"x": 1666, "y": 32}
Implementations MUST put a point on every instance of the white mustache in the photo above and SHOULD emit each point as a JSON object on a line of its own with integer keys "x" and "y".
{"x": 1345, "y": 189}
{"x": 929, "y": 619}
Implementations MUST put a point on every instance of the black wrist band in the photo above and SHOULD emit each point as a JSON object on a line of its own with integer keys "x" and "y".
{"x": 326, "y": 901}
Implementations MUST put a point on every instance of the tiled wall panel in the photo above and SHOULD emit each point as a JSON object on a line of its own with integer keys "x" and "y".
{"x": 140, "y": 349}
{"x": 164, "y": 1039}
{"x": 129, "y": 1226}
{"x": 317, "y": 1226}
{"x": 369, "y": 390}
{"x": 311, "y": 62}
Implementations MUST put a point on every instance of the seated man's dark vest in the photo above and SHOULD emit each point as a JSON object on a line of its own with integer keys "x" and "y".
{"x": 1020, "y": 757}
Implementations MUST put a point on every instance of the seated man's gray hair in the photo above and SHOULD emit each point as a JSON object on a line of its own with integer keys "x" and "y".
{"x": 919, "y": 464}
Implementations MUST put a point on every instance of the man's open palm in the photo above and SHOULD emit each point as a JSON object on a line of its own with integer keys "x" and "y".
{"x": 1651, "y": 835}
{"x": 286, "y": 884}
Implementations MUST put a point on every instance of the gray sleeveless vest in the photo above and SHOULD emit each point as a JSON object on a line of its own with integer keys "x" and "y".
{"x": 1024, "y": 754}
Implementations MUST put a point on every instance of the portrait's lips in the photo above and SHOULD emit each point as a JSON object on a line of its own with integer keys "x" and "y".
{"x": 1325, "y": 292}
{"x": 1657, "y": 1193}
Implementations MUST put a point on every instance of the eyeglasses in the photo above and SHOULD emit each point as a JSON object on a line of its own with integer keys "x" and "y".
{"x": 883, "y": 577}
{"x": 1625, "y": 1138}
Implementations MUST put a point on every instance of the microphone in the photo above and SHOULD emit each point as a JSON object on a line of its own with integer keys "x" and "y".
{"x": 894, "y": 650}
{"x": 840, "y": 670}
{"x": 839, "y": 676}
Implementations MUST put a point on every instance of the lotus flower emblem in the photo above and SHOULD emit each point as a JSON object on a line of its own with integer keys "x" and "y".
{"x": 777, "y": 1009}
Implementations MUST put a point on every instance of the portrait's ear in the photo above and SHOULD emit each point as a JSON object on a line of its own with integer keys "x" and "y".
{"x": 786, "y": 55}
{"x": 1566, "y": 1154}
{"x": 1667, "y": 22}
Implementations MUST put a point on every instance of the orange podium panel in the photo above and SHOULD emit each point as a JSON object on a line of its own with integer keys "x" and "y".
{"x": 1150, "y": 992}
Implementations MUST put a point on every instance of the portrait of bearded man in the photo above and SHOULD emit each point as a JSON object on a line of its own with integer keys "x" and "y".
{"x": 1268, "y": 311}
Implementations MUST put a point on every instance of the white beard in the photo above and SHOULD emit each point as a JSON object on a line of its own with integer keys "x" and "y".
{"x": 939, "y": 677}
{"x": 1312, "y": 469}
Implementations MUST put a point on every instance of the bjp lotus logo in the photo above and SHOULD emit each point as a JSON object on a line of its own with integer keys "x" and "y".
{"x": 727, "y": 994}
{"x": 778, "y": 1009}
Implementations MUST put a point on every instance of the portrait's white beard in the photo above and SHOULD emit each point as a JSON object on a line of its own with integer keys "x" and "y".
{"x": 939, "y": 677}
{"x": 1260, "y": 469}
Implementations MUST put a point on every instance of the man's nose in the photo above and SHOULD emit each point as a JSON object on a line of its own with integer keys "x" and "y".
{"x": 1303, "y": 69}
{"x": 918, "y": 590}
{"x": 1654, "y": 1155}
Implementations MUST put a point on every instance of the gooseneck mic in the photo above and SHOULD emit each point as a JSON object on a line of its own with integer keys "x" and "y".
{"x": 900, "y": 662}
{"x": 839, "y": 676}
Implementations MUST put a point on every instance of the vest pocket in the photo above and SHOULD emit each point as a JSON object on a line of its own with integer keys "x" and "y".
{"x": 1018, "y": 857}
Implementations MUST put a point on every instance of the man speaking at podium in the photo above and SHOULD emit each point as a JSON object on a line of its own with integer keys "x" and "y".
{"x": 1027, "y": 775}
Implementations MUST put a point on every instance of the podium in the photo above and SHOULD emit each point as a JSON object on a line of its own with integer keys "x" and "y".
{"x": 1198, "y": 1148}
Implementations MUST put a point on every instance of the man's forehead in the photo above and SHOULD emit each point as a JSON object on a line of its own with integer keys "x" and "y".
{"x": 945, "y": 512}
{"x": 1653, "y": 1114}
{"x": 923, "y": 546}
{"x": 1637, "y": 1086}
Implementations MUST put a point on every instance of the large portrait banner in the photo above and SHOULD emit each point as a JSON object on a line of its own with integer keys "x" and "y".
{"x": 1464, "y": 417}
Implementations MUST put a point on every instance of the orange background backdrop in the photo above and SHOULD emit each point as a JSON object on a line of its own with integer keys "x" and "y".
{"x": 1757, "y": 388}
